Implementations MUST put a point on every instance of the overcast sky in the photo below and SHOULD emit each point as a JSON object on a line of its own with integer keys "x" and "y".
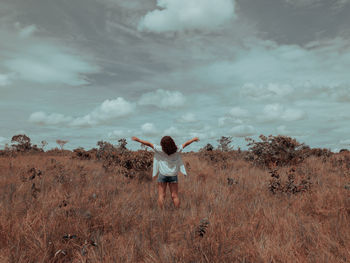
{"x": 90, "y": 70}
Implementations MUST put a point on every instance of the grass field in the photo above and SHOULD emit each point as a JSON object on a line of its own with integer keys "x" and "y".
{"x": 56, "y": 208}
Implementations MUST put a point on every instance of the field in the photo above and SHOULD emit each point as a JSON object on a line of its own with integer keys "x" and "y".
{"x": 63, "y": 206}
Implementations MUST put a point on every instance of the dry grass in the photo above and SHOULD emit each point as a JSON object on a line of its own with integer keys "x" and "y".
{"x": 78, "y": 211}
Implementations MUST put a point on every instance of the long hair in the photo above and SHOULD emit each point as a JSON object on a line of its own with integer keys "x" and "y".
{"x": 168, "y": 145}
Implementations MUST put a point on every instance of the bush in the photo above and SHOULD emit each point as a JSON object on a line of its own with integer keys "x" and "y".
{"x": 279, "y": 150}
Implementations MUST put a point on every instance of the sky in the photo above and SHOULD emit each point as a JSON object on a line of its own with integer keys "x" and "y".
{"x": 91, "y": 70}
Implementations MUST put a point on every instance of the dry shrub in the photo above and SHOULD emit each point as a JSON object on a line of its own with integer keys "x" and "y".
{"x": 81, "y": 154}
{"x": 281, "y": 150}
{"x": 289, "y": 183}
{"x": 128, "y": 163}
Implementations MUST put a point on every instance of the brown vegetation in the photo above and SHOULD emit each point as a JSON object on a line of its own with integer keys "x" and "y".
{"x": 100, "y": 206}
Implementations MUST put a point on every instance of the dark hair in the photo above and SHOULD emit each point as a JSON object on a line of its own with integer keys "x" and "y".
{"x": 168, "y": 145}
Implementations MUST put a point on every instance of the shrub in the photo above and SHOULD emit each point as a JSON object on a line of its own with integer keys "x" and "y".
{"x": 21, "y": 143}
{"x": 224, "y": 144}
{"x": 279, "y": 150}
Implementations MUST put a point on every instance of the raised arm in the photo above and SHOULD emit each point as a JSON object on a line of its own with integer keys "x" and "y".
{"x": 142, "y": 141}
{"x": 190, "y": 141}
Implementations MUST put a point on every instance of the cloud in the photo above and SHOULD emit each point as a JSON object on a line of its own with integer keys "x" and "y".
{"x": 149, "y": 129}
{"x": 26, "y": 31}
{"x": 277, "y": 112}
{"x": 181, "y": 15}
{"x": 279, "y": 69}
{"x": 40, "y": 60}
{"x": 336, "y": 4}
{"x": 340, "y": 93}
{"x": 42, "y": 118}
{"x": 339, "y": 4}
{"x": 3, "y": 141}
{"x": 117, "y": 134}
{"x": 109, "y": 110}
{"x": 187, "y": 118}
{"x": 269, "y": 91}
{"x": 5, "y": 80}
{"x": 172, "y": 131}
{"x": 303, "y": 3}
{"x": 238, "y": 112}
{"x": 242, "y": 131}
{"x": 163, "y": 99}
{"x": 345, "y": 142}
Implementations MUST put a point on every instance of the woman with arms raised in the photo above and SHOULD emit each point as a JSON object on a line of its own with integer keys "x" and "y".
{"x": 167, "y": 163}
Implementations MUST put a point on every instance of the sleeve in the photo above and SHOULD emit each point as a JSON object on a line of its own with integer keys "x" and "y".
{"x": 155, "y": 166}
{"x": 180, "y": 149}
{"x": 182, "y": 167}
{"x": 157, "y": 148}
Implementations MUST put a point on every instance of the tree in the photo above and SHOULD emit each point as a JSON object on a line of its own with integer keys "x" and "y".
{"x": 207, "y": 148}
{"x": 61, "y": 143}
{"x": 122, "y": 144}
{"x": 224, "y": 144}
{"x": 21, "y": 142}
{"x": 43, "y": 144}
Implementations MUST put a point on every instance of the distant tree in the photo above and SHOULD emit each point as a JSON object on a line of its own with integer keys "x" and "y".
{"x": 143, "y": 147}
{"x": 21, "y": 142}
{"x": 43, "y": 144}
{"x": 61, "y": 143}
{"x": 224, "y": 144}
{"x": 207, "y": 148}
{"x": 122, "y": 144}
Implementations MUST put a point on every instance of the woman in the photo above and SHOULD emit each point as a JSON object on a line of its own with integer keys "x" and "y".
{"x": 167, "y": 163}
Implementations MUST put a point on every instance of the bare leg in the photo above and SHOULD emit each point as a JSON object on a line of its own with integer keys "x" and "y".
{"x": 174, "y": 194}
{"x": 161, "y": 194}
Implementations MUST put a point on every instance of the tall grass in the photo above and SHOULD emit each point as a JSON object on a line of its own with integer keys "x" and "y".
{"x": 78, "y": 211}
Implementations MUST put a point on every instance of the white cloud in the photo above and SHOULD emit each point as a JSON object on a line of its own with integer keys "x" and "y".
{"x": 26, "y": 31}
{"x": 163, "y": 99}
{"x": 225, "y": 121}
{"x": 5, "y": 80}
{"x": 49, "y": 65}
{"x": 40, "y": 60}
{"x": 280, "y": 69}
{"x": 181, "y": 15}
{"x": 269, "y": 91}
{"x": 149, "y": 129}
{"x": 42, "y": 118}
{"x": 187, "y": 118}
{"x": 238, "y": 112}
{"x": 340, "y": 93}
{"x": 345, "y": 142}
{"x": 117, "y": 134}
{"x": 3, "y": 141}
{"x": 172, "y": 131}
{"x": 277, "y": 112}
{"x": 109, "y": 110}
{"x": 243, "y": 131}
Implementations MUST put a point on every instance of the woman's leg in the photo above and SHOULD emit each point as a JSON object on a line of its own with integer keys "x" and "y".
{"x": 174, "y": 194}
{"x": 161, "y": 194}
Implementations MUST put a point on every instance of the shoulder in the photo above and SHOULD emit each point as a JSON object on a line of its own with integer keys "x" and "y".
{"x": 180, "y": 148}
{"x": 157, "y": 148}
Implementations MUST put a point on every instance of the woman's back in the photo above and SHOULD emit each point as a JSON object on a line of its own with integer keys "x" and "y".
{"x": 167, "y": 165}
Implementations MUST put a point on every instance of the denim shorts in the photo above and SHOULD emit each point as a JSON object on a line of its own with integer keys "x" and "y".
{"x": 167, "y": 179}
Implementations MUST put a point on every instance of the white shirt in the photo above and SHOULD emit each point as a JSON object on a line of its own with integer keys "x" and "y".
{"x": 167, "y": 165}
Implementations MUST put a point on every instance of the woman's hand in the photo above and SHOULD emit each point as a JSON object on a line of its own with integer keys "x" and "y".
{"x": 195, "y": 139}
{"x": 134, "y": 138}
